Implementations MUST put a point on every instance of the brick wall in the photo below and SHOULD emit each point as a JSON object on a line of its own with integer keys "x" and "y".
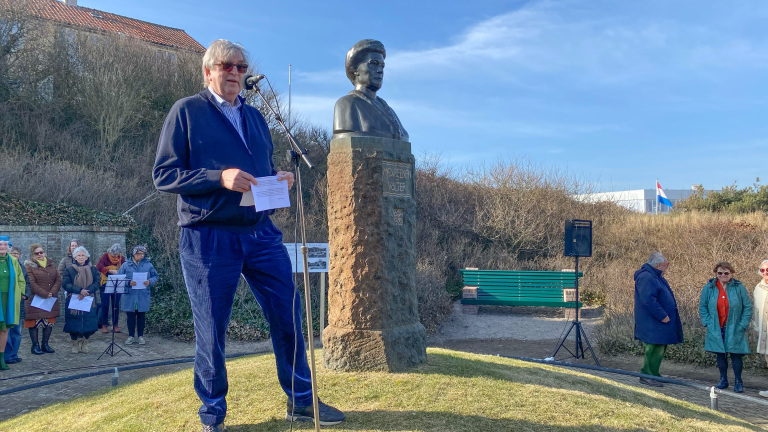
{"x": 55, "y": 239}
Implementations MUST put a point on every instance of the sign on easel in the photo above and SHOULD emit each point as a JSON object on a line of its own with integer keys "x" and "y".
{"x": 317, "y": 257}
{"x": 317, "y": 261}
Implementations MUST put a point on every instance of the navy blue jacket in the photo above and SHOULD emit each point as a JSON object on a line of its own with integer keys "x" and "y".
{"x": 196, "y": 144}
{"x": 653, "y": 302}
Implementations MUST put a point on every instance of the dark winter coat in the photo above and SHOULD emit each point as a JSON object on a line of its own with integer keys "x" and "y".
{"x": 739, "y": 317}
{"x": 41, "y": 282}
{"x": 79, "y": 321}
{"x": 653, "y": 302}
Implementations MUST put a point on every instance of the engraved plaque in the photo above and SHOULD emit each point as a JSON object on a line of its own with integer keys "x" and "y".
{"x": 397, "y": 216}
{"x": 398, "y": 179}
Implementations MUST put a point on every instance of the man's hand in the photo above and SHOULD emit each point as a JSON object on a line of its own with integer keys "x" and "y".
{"x": 286, "y": 175}
{"x": 237, "y": 180}
{"x": 665, "y": 320}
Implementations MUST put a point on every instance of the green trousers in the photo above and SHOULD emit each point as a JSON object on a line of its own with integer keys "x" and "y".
{"x": 654, "y": 354}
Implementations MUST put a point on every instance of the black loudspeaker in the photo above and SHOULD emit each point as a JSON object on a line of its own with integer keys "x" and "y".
{"x": 578, "y": 238}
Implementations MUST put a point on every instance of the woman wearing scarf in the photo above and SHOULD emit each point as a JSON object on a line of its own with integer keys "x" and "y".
{"x": 81, "y": 280}
{"x": 109, "y": 264}
{"x": 760, "y": 314}
{"x": 136, "y": 301}
{"x": 726, "y": 310}
{"x": 11, "y": 287}
{"x": 44, "y": 281}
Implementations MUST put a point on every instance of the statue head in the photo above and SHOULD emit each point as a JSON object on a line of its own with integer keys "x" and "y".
{"x": 365, "y": 64}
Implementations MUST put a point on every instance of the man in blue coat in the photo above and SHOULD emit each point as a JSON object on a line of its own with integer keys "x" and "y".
{"x": 212, "y": 148}
{"x": 657, "y": 322}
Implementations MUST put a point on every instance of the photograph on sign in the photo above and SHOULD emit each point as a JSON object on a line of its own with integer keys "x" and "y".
{"x": 317, "y": 257}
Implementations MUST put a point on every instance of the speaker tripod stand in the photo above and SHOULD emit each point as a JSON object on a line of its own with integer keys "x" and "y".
{"x": 580, "y": 334}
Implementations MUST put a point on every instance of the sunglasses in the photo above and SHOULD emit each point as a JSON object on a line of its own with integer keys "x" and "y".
{"x": 227, "y": 66}
{"x": 39, "y": 252}
{"x": 765, "y": 270}
{"x": 723, "y": 273}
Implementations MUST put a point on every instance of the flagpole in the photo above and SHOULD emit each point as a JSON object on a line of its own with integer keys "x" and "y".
{"x": 657, "y": 197}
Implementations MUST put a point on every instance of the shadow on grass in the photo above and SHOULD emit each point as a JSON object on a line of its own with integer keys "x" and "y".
{"x": 427, "y": 421}
{"x": 542, "y": 375}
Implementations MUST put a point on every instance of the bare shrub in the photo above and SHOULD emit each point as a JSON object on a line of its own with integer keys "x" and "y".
{"x": 693, "y": 242}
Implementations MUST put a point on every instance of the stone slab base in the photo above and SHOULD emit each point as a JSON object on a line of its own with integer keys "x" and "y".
{"x": 389, "y": 350}
{"x": 470, "y": 309}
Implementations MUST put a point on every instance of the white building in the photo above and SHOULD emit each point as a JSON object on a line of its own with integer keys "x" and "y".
{"x": 640, "y": 200}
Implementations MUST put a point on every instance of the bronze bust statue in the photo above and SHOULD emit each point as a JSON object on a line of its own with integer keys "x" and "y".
{"x": 361, "y": 112}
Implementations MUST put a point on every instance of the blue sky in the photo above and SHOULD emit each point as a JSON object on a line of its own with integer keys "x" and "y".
{"x": 616, "y": 92}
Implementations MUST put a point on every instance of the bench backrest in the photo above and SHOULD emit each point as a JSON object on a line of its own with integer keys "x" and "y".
{"x": 519, "y": 284}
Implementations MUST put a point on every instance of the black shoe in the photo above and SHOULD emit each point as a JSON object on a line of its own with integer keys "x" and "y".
{"x": 651, "y": 382}
{"x": 723, "y": 384}
{"x": 738, "y": 386}
{"x": 47, "y": 348}
{"x": 36, "y": 350}
{"x": 329, "y": 415}
{"x": 13, "y": 361}
{"x": 215, "y": 428}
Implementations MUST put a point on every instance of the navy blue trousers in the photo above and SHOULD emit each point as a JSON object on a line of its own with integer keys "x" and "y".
{"x": 212, "y": 261}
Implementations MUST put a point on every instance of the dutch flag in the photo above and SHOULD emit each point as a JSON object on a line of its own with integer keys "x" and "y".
{"x": 661, "y": 197}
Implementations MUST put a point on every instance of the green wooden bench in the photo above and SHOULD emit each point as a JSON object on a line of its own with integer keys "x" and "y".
{"x": 516, "y": 288}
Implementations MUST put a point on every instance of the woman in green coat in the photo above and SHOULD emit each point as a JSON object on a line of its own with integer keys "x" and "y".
{"x": 726, "y": 310}
{"x": 11, "y": 287}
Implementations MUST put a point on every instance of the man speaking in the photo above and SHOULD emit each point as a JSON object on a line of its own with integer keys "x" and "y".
{"x": 212, "y": 148}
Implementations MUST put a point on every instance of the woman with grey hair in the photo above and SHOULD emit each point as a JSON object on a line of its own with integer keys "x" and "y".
{"x": 109, "y": 264}
{"x": 81, "y": 280}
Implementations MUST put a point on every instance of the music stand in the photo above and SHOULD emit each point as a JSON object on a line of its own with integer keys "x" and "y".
{"x": 118, "y": 287}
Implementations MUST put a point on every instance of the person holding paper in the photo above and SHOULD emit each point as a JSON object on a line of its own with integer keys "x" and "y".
{"x": 11, "y": 287}
{"x": 44, "y": 283}
{"x": 211, "y": 150}
{"x": 81, "y": 281}
{"x": 142, "y": 275}
{"x": 109, "y": 264}
{"x": 14, "y": 333}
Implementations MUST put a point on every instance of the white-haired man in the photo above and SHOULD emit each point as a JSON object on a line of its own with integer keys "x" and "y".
{"x": 212, "y": 148}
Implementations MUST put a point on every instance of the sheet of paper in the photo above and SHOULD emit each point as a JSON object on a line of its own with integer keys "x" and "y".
{"x": 81, "y": 305}
{"x": 268, "y": 194}
{"x": 45, "y": 304}
{"x": 115, "y": 284}
{"x": 139, "y": 278}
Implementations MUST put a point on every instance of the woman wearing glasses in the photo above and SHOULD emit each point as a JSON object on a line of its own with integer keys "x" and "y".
{"x": 760, "y": 314}
{"x": 726, "y": 310}
{"x": 45, "y": 282}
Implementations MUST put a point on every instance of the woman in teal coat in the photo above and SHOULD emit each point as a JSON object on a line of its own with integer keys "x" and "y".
{"x": 726, "y": 310}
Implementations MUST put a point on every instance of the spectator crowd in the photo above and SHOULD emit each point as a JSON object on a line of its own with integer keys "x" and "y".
{"x": 33, "y": 290}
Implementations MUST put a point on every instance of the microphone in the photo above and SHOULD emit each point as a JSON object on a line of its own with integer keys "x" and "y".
{"x": 252, "y": 81}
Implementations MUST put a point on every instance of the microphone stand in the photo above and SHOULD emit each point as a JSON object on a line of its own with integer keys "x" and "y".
{"x": 298, "y": 153}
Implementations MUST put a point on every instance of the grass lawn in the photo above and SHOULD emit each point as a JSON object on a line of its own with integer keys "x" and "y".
{"x": 453, "y": 391}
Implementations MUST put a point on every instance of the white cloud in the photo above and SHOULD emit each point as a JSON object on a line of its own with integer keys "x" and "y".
{"x": 565, "y": 38}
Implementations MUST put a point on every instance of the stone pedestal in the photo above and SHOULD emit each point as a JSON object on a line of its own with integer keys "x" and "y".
{"x": 373, "y": 321}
